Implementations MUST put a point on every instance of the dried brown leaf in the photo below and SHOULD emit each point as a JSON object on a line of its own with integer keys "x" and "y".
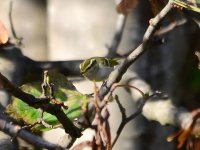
{"x": 157, "y": 5}
{"x": 3, "y": 34}
{"x": 126, "y": 6}
{"x": 189, "y": 136}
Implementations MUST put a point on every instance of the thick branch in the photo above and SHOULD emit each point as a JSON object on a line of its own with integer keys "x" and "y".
{"x": 33, "y": 69}
{"x": 14, "y": 130}
{"x": 164, "y": 112}
{"x": 160, "y": 108}
{"x": 117, "y": 74}
{"x": 37, "y": 103}
{"x": 70, "y": 68}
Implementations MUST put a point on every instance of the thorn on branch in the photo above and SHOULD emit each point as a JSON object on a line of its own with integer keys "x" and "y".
{"x": 170, "y": 27}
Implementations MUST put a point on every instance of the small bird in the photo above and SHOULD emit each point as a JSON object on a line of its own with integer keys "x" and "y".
{"x": 98, "y": 68}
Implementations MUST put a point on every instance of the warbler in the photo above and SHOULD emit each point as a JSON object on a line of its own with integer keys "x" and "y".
{"x": 98, "y": 68}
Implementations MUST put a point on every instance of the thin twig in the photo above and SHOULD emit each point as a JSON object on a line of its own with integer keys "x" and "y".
{"x": 117, "y": 74}
{"x": 116, "y": 85}
{"x": 14, "y": 130}
{"x": 126, "y": 119}
{"x": 102, "y": 130}
{"x": 11, "y": 21}
{"x": 121, "y": 21}
{"x": 170, "y": 27}
{"x": 37, "y": 103}
{"x": 18, "y": 39}
{"x": 42, "y": 121}
{"x": 123, "y": 122}
{"x": 102, "y": 137}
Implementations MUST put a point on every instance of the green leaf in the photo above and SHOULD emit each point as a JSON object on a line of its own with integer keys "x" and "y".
{"x": 193, "y": 5}
{"x": 64, "y": 91}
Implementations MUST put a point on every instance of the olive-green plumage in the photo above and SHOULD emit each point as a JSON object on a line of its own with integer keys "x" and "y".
{"x": 98, "y": 68}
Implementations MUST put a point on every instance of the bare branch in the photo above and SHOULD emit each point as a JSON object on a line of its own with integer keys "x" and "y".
{"x": 16, "y": 130}
{"x": 33, "y": 68}
{"x": 125, "y": 119}
{"x": 41, "y": 103}
{"x": 117, "y": 74}
{"x": 170, "y": 27}
{"x": 116, "y": 85}
{"x": 18, "y": 39}
{"x": 121, "y": 21}
{"x": 11, "y": 21}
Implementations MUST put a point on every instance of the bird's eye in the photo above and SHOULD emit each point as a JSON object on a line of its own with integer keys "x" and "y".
{"x": 87, "y": 64}
{"x": 106, "y": 62}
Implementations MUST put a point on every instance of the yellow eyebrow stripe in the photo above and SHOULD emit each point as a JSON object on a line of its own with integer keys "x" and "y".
{"x": 87, "y": 64}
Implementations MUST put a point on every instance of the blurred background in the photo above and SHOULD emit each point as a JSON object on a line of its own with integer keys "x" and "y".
{"x": 69, "y": 30}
